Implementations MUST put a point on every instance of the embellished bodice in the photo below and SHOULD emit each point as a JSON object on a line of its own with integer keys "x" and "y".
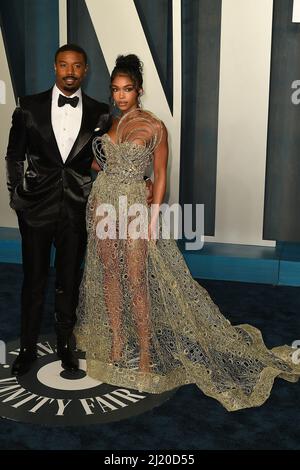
{"x": 126, "y": 160}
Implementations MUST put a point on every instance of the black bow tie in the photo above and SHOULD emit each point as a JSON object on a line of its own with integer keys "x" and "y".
{"x": 62, "y": 100}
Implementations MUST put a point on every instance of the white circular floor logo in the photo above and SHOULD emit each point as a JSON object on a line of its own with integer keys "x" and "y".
{"x": 48, "y": 394}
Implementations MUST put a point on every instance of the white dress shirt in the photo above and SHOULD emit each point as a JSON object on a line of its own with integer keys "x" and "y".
{"x": 66, "y": 122}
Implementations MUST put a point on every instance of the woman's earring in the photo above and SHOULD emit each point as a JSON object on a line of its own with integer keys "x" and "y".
{"x": 112, "y": 102}
{"x": 139, "y": 101}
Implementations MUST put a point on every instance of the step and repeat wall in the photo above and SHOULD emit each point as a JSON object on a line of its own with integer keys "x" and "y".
{"x": 222, "y": 75}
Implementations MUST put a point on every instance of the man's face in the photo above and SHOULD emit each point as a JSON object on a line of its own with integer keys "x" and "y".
{"x": 70, "y": 70}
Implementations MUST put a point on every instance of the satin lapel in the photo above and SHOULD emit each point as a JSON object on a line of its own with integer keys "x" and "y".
{"x": 45, "y": 125}
{"x": 86, "y": 129}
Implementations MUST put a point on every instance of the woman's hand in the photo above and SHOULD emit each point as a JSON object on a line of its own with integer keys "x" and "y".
{"x": 149, "y": 191}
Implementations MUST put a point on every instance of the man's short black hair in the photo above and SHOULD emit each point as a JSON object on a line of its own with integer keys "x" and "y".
{"x": 72, "y": 47}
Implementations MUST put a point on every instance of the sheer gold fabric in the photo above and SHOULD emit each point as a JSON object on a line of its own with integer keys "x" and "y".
{"x": 142, "y": 319}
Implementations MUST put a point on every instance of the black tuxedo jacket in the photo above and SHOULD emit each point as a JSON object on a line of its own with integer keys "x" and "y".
{"x": 49, "y": 183}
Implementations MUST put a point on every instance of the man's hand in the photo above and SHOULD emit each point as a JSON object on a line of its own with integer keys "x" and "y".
{"x": 149, "y": 190}
{"x": 95, "y": 166}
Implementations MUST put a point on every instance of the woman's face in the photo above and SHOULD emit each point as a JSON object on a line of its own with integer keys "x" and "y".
{"x": 124, "y": 93}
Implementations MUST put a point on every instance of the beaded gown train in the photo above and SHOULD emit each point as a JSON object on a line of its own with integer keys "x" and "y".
{"x": 143, "y": 321}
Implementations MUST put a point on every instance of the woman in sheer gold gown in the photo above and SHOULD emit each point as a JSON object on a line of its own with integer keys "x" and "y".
{"x": 143, "y": 321}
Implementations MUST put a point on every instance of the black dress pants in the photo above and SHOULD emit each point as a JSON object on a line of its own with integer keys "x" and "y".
{"x": 70, "y": 246}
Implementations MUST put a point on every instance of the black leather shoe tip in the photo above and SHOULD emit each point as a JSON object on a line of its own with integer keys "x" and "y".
{"x": 24, "y": 362}
{"x": 68, "y": 360}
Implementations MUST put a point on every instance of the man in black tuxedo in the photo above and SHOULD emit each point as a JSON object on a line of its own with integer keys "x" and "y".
{"x": 53, "y": 130}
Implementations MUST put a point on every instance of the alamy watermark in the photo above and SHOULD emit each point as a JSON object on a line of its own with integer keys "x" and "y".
{"x": 137, "y": 221}
{"x": 295, "y": 97}
{"x": 2, "y": 352}
{"x": 296, "y": 353}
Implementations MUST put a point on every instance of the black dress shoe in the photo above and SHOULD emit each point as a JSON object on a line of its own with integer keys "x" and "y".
{"x": 68, "y": 360}
{"x": 24, "y": 361}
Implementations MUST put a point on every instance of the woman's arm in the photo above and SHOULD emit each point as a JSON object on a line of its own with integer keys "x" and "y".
{"x": 160, "y": 164}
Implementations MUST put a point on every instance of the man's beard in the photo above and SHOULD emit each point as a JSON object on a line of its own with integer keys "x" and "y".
{"x": 72, "y": 86}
